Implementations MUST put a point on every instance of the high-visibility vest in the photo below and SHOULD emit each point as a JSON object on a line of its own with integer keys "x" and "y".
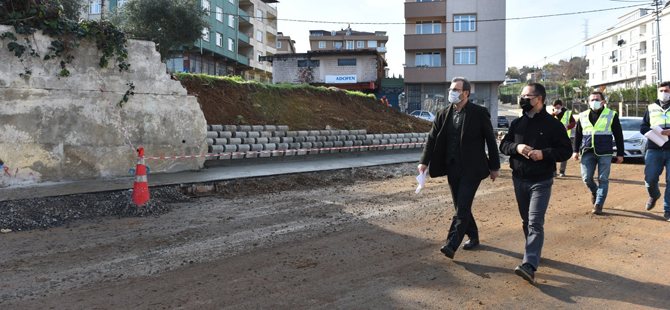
{"x": 597, "y": 136}
{"x": 566, "y": 120}
{"x": 657, "y": 116}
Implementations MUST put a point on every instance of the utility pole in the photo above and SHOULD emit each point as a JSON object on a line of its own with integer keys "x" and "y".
{"x": 586, "y": 36}
{"x": 658, "y": 41}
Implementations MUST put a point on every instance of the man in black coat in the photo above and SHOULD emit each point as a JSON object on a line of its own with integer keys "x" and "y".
{"x": 455, "y": 148}
{"x": 534, "y": 142}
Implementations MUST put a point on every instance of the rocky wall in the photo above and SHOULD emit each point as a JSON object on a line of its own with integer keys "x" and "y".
{"x": 55, "y": 128}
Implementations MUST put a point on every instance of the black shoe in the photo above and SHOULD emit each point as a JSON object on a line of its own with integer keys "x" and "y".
{"x": 447, "y": 251}
{"x": 597, "y": 210}
{"x": 562, "y": 174}
{"x": 666, "y": 215}
{"x": 526, "y": 272}
{"x": 651, "y": 203}
{"x": 471, "y": 243}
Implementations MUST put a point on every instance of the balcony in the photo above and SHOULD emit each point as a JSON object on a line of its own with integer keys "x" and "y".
{"x": 244, "y": 16}
{"x": 381, "y": 49}
{"x": 243, "y": 37}
{"x": 425, "y": 41}
{"x": 425, "y": 75}
{"x": 242, "y": 59}
{"x": 433, "y": 9}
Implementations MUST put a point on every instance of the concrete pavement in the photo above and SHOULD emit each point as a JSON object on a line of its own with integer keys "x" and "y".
{"x": 235, "y": 169}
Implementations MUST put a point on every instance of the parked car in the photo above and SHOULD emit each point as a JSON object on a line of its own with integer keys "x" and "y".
{"x": 503, "y": 121}
{"x": 633, "y": 141}
{"x": 511, "y": 81}
{"x": 423, "y": 115}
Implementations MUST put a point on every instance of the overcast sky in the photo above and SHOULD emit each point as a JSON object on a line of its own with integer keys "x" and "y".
{"x": 529, "y": 41}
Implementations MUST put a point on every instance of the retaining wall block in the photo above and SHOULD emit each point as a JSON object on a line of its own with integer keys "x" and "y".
{"x": 240, "y": 134}
{"x": 256, "y": 128}
{"x": 254, "y": 134}
{"x": 279, "y": 133}
{"x": 234, "y": 141}
{"x": 225, "y": 134}
{"x": 248, "y": 140}
{"x": 243, "y": 128}
{"x": 212, "y": 134}
{"x": 269, "y": 127}
{"x": 262, "y": 140}
{"x": 282, "y": 128}
{"x": 229, "y": 128}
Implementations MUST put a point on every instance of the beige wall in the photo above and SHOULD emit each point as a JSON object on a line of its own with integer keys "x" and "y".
{"x": 287, "y": 71}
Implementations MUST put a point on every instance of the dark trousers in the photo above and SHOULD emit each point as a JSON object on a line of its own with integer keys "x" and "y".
{"x": 463, "y": 189}
{"x": 533, "y": 201}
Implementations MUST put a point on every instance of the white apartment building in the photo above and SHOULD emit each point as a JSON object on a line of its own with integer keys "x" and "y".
{"x": 626, "y": 55}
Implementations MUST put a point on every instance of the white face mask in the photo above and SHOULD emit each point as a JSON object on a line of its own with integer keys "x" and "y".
{"x": 454, "y": 97}
{"x": 664, "y": 97}
{"x": 595, "y": 105}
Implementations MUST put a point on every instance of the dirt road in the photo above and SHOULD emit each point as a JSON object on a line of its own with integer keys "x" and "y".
{"x": 354, "y": 239}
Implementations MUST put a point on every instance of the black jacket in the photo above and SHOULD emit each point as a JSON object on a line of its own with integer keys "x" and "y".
{"x": 593, "y": 118}
{"x": 477, "y": 132}
{"x": 542, "y": 132}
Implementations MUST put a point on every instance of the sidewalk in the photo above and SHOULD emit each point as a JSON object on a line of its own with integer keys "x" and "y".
{"x": 308, "y": 164}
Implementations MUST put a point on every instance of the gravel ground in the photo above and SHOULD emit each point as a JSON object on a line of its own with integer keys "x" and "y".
{"x": 49, "y": 212}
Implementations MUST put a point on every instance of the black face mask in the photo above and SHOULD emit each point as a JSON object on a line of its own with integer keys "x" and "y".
{"x": 525, "y": 105}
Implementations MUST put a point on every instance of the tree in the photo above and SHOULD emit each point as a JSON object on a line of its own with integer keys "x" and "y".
{"x": 171, "y": 24}
{"x": 72, "y": 8}
{"x": 513, "y": 73}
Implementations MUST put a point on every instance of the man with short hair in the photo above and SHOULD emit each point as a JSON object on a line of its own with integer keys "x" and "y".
{"x": 401, "y": 102}
{"x": 455, "y": 148}
{"x": 593, "y": 142}
{"x": 534, "y": 142}
{"x": 658, "y": 156}
{"x": 565, "y": 116}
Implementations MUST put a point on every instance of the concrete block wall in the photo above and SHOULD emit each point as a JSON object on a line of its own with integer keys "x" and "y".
{"x": 56, "y": 128}
{"x": 274, "y": 141}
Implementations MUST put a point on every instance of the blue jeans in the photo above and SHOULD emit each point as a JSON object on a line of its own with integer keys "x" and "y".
{"x": 533, "y": 200}
{"x": 655, "y": 161}
{"x": 589, "y": 163}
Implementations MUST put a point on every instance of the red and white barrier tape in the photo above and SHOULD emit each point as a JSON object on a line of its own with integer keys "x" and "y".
{"x": 118, "y": 119}
{"x": 283, "y": 151}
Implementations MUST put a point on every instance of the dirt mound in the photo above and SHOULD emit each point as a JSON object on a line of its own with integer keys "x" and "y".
{"x": 227, "y": 102}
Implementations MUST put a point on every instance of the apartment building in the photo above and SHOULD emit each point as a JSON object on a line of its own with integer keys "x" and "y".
{"x": 348, "y": 40}
{"x": 241, "y": 31}
{"x": 626, "y": 55}
{"x": 285, "y": 45}
{"x": 445, "y": 39}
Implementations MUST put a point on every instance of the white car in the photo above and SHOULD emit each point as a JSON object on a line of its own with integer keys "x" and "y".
{"x": 423, "y": 115}
{"x": 633, "y": 141}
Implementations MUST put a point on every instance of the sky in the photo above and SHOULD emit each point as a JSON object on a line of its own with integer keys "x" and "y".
{"x": 528, "y": 40}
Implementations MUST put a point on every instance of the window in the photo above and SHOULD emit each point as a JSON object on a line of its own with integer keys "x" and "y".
{"x": 120, "y": 3}
{"x": 372, "y": 43}
{"x": 465, "y": 56}
{"x": 346, "y": 62}
{"x": 428, "y": 0}
{"x": 206, "y": 6}
{"x": 208, "y": 66}
{"x": 278, "y": 44}
{"x": 231, "y": 45}
{"x": 259, "y": 15}
{"x": 308, "y": 63}
{"x": 360, "y": 44}
{"x": 259, "y": 36}
{"x": 428, "y": 27}
{"x": 95, "y": 7}
{"x": 231, "y": 21}
{"x": 196, "y": 64}
{"x": 219, "y": 14}
{"x": 338, "y": 45}
{"x": 350, "y": 45}
{"x": 219, "y": 39}
{"x": 623, "y": 55}
{"x": 465, "y": 23}
{"x": 205, "y": 34}
{"x": 176, "y": 63}
{"x": 604, "y": 75}
{"x": 615, "y": 70}
{"x": 231, "y": 1}
{"x": 428, "y": 60}
{"x": 316, "y": 33}
{"x": 322, "y": 44}
{"x": 603, "y": 61}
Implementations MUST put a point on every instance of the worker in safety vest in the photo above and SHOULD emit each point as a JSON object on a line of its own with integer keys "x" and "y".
{"x": 565, "y": 116}
{"x": 658, "y": 156}
{"x": 593, "y": 142}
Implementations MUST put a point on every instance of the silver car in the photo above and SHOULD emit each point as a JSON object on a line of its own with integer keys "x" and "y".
{"x": 633, "y": 141}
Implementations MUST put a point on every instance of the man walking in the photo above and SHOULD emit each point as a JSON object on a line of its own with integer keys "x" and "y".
{"x": 401, "y": 102}
{"x": 658, "y": 156}
{"x": 455, "y": 148}
{"x": 534, "y": 142}
{"x": 565, "y": 116}
{"x": 593, "y": 142}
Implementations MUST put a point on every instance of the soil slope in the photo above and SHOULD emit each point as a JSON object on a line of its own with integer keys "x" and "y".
{"x": 226, "y": 102}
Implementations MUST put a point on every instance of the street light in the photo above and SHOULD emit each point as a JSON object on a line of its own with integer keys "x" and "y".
{"x": 637, "y": 74}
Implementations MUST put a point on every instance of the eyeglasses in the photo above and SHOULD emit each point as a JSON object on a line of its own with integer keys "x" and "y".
{"x": 527, "y": 96}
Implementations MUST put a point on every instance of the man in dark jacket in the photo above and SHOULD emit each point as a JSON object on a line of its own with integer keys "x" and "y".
{"x": 534, "y": 142}
{"x": 455, "y": 148}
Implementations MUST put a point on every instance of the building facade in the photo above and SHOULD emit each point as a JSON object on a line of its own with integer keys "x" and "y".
{"x": 445, "y": 39}
{"x": 357, "y": 70}
{"x": 626, "y": 56}
{"x": 285, "y": 45}
{"x": 241, "y": 31}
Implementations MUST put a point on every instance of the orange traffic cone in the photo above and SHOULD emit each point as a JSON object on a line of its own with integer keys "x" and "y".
{"x": 141, "y": 187}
